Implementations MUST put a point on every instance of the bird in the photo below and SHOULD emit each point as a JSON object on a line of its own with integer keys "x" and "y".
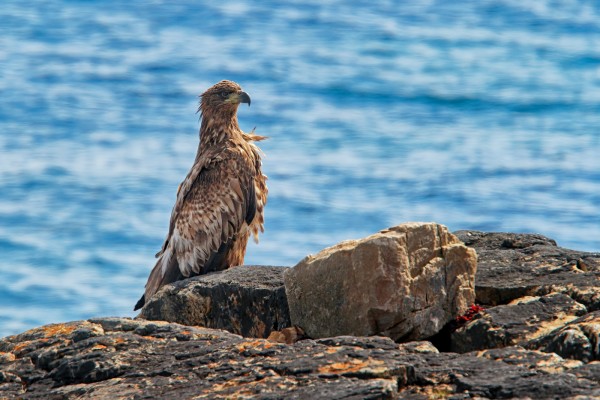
{"x": 221, "y": 201}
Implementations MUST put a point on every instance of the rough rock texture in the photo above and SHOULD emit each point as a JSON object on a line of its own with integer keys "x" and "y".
{"x": 510, "y": 266}
{"x": 551, "y": 293}
{"x": 121, "y": 358}
{"x": 405, "y": 282}
{"x": 508, "y": 373}
{"x": 517, "y": 323}
{"x": 117, "y": 358}
{"x": 248, "y": 300}
{"x": 580, "y": 339}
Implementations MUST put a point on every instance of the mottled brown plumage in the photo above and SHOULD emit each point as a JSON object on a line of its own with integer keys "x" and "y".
{"x": 220, "y": 202}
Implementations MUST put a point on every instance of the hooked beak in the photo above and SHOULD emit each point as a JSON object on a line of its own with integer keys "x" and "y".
{"x": 237, "y": 98}
{"x": 244, "y": 98}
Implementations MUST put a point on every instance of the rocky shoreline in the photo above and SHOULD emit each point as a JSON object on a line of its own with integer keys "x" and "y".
{"x": 536, "y": 336}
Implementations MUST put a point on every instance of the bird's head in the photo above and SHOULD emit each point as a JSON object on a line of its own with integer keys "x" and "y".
{"x": 223, "y": 97}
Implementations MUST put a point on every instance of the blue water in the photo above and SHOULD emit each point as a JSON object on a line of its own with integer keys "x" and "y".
{"x": 475, "y": 114}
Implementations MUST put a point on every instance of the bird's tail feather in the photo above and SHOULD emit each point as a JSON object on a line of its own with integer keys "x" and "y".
{"x": 165, "y": 271}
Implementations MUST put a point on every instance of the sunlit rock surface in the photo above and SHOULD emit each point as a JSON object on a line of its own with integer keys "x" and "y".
{"x": 405, "y": 282}
{"x": 247, "y": 300}
{"x": 117, "y": 358}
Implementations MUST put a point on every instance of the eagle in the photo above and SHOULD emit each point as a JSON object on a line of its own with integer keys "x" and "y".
{"x": 220, "y": 202}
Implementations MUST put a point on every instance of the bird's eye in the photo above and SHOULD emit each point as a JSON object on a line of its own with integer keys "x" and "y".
{"x": 224, "y": 94}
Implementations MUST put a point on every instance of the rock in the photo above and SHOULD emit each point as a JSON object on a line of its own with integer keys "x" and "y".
{"x": 511, "y": 372}
{"x": 518, "y": 373}
{"x": 405, "y": 282}
{"x": 512, "y": 265}
{"x": 288, "y": 335}
{"x": 122, "y": 358}
{"x": 549, "y": 290}
{"x": 579, "y": 339}
{"x": 516, "y": 323}
{"x": 248, "y": 300}
{"x": 119, "y": 358}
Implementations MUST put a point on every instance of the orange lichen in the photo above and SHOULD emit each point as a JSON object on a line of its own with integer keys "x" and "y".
{"x": 157, "y": 339}
{"x": 262, "y": 344}
{"x": 6, "y": 357}
{"x": 228, "y": 384}
{"x": 20, "y": 346}
{"x": 58, "y": 329}
{"x": 245, "y": 389}
{"x": 348, "y": 366}
{"x": 438, "y": 391}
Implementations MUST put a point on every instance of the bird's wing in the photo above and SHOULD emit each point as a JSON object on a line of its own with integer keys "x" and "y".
{"x": 203, "y": 160}
{"x": 215, "y": 204}
{"x": 214, "y": 208}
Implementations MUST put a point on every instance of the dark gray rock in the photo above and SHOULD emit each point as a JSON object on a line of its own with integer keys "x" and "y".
{"x": 516, "y": 323}
{"x": 512, "y": 265}
{"x": 579, "y": 340}
{"x": 122, "y": 358}
{"x": 511, "y": 372}
{"x": 127, "y": 359}
{"x": 248, "y": 300}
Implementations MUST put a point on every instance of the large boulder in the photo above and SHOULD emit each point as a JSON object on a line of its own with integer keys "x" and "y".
{"x": 248, "y": 300}
{"x": 404, "y": 282}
